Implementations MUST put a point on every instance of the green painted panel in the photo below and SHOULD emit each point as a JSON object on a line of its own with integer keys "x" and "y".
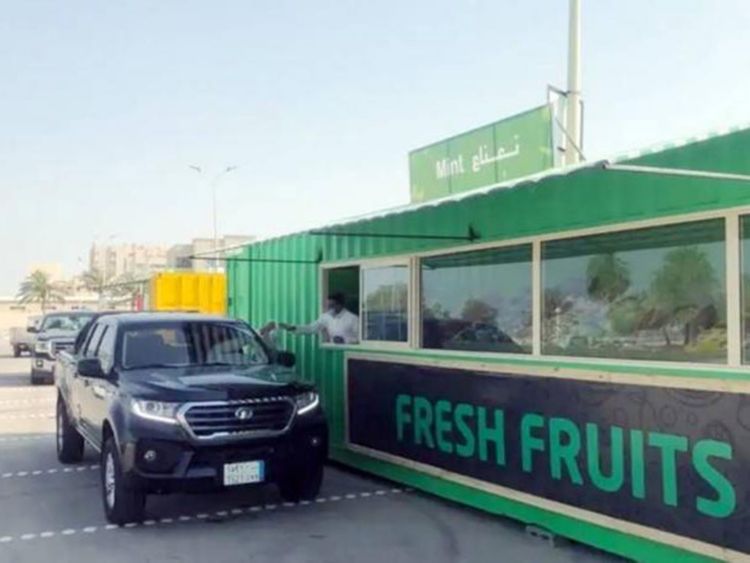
{"x": 586, "y": 198}
{"x": 514, "y": 147}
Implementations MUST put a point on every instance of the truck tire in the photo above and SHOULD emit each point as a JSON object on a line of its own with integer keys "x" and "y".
{"x": 69, "y": 440}
{"x": 122, "y": 504}
{"x": 302, "y": 485}
{"x": 16, "y": 351}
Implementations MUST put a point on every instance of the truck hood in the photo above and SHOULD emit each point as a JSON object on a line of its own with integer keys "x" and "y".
{"x": 211, "y": 384}
{"x": 57, "y": 335}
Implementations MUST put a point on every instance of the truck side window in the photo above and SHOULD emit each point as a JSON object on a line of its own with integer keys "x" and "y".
{"x": 92, "y": 344}
{"x": 106, "y": 350}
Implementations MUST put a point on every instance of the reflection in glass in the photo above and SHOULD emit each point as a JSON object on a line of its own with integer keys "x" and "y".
{"x": 745, "y": 230}
{"x": 479, "y": 301}
{"x": 385, "y": 305}
{"x": 652, "y": 294}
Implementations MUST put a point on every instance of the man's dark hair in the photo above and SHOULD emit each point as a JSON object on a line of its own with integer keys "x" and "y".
{"x": 337, "y": 298}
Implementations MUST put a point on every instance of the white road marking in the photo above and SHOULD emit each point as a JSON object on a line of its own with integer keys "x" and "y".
{"x": 33, "y": 415}
{"x": 35, "y": 472}
{"x": 6, "y": 439}
{"x": 187, "y": 518}
{"x": 22, "y": 402}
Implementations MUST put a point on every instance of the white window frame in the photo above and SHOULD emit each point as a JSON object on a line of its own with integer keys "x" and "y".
{"x": 386, "y": 263}
{"x": 732, "y": 216}
{"x": 323, "y": 295}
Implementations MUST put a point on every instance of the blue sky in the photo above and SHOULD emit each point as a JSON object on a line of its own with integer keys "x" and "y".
{"x": 103, "y": 105}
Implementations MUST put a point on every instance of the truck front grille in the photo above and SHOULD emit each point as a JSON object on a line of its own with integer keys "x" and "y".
{"x": 58, "y": 347}
{"x": 263, "y": 417}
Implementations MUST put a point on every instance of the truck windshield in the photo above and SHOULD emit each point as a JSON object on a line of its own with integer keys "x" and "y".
{"x": 70, "y": 322}
{"x": 187, "y": 344}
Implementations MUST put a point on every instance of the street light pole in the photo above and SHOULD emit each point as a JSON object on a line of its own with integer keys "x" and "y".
{"x": 214, "y": 184}
{"x": 573, "y": 109}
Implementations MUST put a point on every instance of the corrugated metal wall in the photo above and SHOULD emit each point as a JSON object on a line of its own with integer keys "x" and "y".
{"x": 261, "y": 292}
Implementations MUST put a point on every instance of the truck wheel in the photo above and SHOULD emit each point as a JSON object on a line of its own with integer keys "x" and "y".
{"x": 121, "y": 503}
{"x": 69, "y": 441}
{"x": 16, "y": 352}
{"x": 302, "y": 485}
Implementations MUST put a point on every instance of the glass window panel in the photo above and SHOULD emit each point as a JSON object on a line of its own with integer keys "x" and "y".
{"x": 478, "y": 301}
{"x": 648, "y": 294}
{"x": 385, "y": 303}
{"x": 745, "y": 230}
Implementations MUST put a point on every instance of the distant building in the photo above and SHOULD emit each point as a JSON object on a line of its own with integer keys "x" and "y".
{"x": 137, "y": 260}
{"x": 178, "y": 256}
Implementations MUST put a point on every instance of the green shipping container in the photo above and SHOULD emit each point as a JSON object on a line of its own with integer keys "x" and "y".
{"x": 565, "y": 349}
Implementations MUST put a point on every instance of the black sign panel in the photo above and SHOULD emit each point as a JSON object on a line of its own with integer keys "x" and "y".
{"x": 673, "y": 459}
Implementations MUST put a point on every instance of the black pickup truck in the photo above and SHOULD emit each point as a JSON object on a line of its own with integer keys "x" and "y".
{"x": 186, "y": 402}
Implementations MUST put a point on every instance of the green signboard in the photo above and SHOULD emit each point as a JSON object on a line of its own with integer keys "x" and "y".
{"x": 511, "y": 148}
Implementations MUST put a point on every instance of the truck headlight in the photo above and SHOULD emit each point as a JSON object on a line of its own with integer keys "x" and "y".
{"x": 43, "y": 347}
{"x": 306, "y": 402}
{"x": 155, "y": 410}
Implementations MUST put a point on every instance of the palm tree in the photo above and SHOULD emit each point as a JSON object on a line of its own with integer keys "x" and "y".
{"x": 38, "y": 287}
{"x": 128, "y": 286}
{"x": 607, "y": 277}
{"x": 96, "y": 281}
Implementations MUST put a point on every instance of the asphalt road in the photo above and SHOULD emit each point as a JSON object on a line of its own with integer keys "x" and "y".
{"x": 53, "y": 512}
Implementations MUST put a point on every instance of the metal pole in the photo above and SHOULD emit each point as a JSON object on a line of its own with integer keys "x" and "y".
{"x": 214, "y": 213}
{"x": 215, "y": 228}
{"x": 573, "y": 109}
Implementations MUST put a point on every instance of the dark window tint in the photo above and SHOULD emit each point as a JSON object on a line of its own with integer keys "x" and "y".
{"x": 190, "y": 344}
{"x": 649, "y": 294}
{"x": 106, "y": 350}
{"x": 479, "y": 301}
{"x": 92, "y": 344}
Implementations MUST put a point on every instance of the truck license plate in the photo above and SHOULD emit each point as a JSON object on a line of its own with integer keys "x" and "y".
{"x": 243, "y": 473}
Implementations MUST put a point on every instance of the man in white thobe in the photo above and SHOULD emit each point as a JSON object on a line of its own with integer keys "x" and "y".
{"x": 337, "y": 325}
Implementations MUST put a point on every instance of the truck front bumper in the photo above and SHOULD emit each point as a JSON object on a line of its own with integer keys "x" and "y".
{"x": 158, "y": 465}
{"x": 42, "y": 369}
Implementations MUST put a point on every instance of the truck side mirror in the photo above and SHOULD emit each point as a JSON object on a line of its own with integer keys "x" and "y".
{"x": 32, "y": 329}
{"x": 286, "y": 359}
{"x": 90, "y": 367}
